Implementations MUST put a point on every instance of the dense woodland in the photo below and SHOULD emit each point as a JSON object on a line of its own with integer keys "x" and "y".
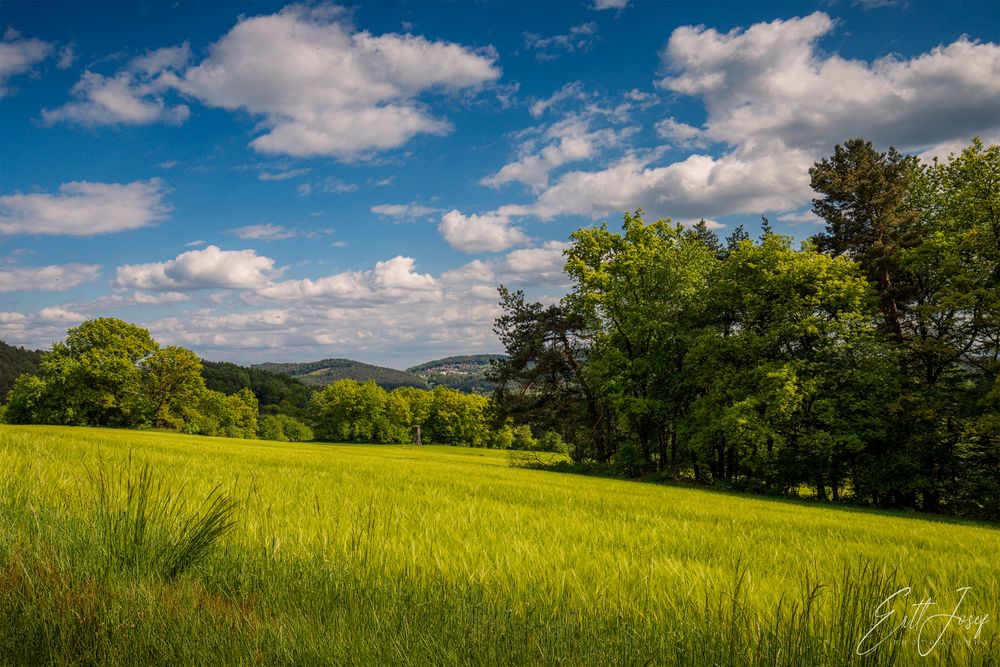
{"x": 15, "y": 361}
{"x": 863, "y": 365}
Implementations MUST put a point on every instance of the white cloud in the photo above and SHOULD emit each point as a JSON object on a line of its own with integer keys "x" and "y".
{"x": 283, "y": 175}
{"x": 133, "y": 96}
{"x": 778, "y": 104}
{"x": 207, "y": 268}
{"x": 147, "y": 299}
{"x": 699, "y": 186}
{"x": 569, "y": 140}
{"x": 680, "y": 134}
{"x": 571, "y": 91}
{"x": 52, "y": 278}
{"x": 392, "y": 279}
{"x": 60, "y": 315}
{"x": 580, "y": 37}
{"x": 18, "y": 56}
{"x": 542, "y": 265}
{"x": 81, "y": 208}
{"x": 403, "y": 212}
{"x": 67, "y": 56}
{"x": 771, "y": 81}
{"x": 323, "y": 89}
{"x": 488, "y": 232}
{"x": 610, "y": 4}
{"x": 265, "y": 232}
{"x": 800, "y": 217}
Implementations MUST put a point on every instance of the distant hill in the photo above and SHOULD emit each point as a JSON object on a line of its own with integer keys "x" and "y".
{"x": 13, "y": 362}
{"x": 327, "y": 371}
{"x": 464, "y": 373}
{"x": 275, "y": 392}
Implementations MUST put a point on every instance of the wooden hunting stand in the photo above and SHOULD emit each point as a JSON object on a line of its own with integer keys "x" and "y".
{"x": 416, "y": 435}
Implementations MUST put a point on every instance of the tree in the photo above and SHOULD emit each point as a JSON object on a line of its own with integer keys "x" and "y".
{"x": 94, "y": 374}
{"x": 863, "y": 205}
{"x": 641, "y": 295}
{"x": 544, "y": 380}
{"x": 173, "y": 382}
{"x": 792, "y": 378}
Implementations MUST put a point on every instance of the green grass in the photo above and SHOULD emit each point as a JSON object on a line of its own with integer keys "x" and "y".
{"x": 122, "y": 547}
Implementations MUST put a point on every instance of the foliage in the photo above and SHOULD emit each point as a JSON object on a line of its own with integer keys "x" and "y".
{"x": 349, "y": 411}
{"x": 863, "y": 365}
{"x": 112, "y": 373}
{"x": 276, "y": 392}
{"x": 284, "y": 428}
{"x": 15, "y": 361}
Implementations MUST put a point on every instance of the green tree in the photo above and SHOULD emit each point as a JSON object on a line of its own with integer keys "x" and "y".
{"x": 642, "y": 296}
{"x": 544, "y": 379}
{"x": 95, "y": 376}
{"x": 863, "y": 200}
{"x": 173, "y": 382}
{"x": 793, "y": 377}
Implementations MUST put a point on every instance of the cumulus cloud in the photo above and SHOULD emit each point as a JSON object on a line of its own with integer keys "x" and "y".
{"x": 133, "y": 96}
{"x": 772, "y": 81}
{"x": 52, "y": 278}
{"x": 776, "y": 103}
{"x": 572, "y": 91}
{"x": 699, "y": 186}
{"x": 541, "y": 265}
{"x": 323, "y": 89}
{"x": 60, "y": 315}
{"x": 207, "y": 268}
{"x": 488, "y": 232}
{"x": 680, "y": 134}
{"x": 81, "y": 208}
{"x": 67, "y": 56}
{"x": 19, "y": 56}
{"x": 572, "y": 139}
{"x": 394, "y": 279}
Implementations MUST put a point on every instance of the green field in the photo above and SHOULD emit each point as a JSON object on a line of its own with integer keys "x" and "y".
{"x": 349, "y": 554}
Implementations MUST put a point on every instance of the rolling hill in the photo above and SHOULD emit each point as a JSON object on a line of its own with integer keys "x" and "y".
{"x": 326, "y": 371}
{"x": 465, "y": 373}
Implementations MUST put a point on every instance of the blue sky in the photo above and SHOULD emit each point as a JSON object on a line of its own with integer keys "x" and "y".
{"x": 264, "y": 181}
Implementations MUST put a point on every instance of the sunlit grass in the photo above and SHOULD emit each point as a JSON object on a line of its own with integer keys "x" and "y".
{"x": 428, "y": 555}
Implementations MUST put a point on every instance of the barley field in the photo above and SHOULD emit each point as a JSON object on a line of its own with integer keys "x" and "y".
{"x": 126, "y": 547}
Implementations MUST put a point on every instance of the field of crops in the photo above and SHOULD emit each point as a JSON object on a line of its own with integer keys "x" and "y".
{"x": 122, "y": 547}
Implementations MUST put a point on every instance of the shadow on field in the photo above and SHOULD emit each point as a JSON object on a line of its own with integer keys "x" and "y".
{"x": 532, "y": 461}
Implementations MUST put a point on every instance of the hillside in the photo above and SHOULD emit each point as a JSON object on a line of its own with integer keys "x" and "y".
{"x": 465, "y": 373}
{"x": 326, "y": 371}
{"x": 275, "y": 392}
{"x": 13, "y": 362}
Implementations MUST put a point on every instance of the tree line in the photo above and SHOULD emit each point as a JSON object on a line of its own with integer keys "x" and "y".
{"x": 863, "y": 365}
{"x": 108, "y": 372}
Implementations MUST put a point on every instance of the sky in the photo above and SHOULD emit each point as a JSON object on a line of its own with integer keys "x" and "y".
{"x": 263, "y": 181}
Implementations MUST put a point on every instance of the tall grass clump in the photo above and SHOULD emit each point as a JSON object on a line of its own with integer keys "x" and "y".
{"x": 145, "y": 527}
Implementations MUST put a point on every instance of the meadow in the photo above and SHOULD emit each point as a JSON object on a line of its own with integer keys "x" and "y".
{"x": 123, "y": 547}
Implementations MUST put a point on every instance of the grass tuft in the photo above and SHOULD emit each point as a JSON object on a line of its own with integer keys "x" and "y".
{"x": 147, "y": 528}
